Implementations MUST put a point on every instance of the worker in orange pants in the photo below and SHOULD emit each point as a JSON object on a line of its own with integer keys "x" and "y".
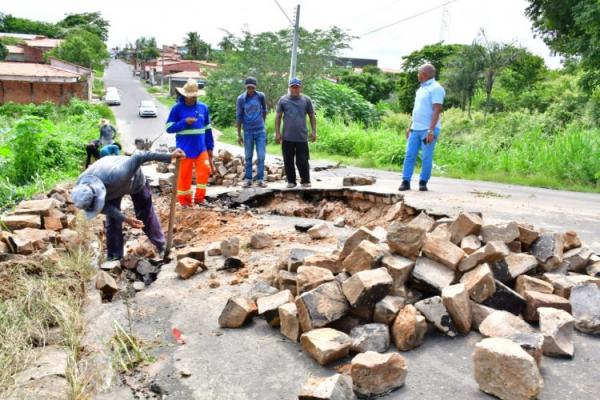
{"x": 190, "y": 122}
{"x": 184, "y": 185}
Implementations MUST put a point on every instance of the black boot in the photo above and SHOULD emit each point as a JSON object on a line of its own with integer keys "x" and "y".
{"x": 404, "y": 186}
{"x": 422, "y": 186}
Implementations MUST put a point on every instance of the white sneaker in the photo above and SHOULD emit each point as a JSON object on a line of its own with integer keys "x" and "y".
{"x": 306, "y": 185}
{"x": 291, "y": 185}
{"x": 247, "y": 183}
{"x": 261, "y": 184}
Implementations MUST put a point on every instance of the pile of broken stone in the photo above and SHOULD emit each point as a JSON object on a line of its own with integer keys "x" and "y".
{"x": 230, "y": 170}
{"x": 524, "y": 290}
{"x": 43, "y": 226}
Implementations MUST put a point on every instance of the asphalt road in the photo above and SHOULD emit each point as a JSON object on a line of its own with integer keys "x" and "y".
{"x": 256, "y": 363}
{"x": 132, "y": 92}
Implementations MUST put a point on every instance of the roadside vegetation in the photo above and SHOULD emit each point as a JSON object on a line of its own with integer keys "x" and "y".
{"x": 40, "y": 302}
{"x": 45, "y": 144}
{"x": 507, "y": 118}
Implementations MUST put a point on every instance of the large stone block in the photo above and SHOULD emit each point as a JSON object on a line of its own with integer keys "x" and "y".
{"x": 405, "y": 240}
{"x": 186, "y": 267}
{"x": 513, "y": 265}
{"x": 527, "y": 235}
{"x": 14, "y": 222}
{"x": 526, "y": 282}
{"x": 548, "y": 249}
{"x": 585, "y": 302}
{"x": 326, "y": 345}
{"x": 336, "y": 387}
{"x": 39, "y": 207}
{"x": 289, "y": 321}
{"x": 261, "y": 240}
{"x": 370, "y": 337}
{"x": 464, "y": 225}
{"x": 443, "y": 251}
{"x": 480, "y": 283}
{"x": 330, "y": 262}
{"x": 366, "y": 288}
{"x": 432, "y": 276}
{"x": 399, "y": 268}
{"x": 503, "y": 369}
{"x": 577, "y": 260}
{"x": 409, "y": 328}
{"x": 557, "y": 327}
{"x": 479, "y": 313}
{"x": 321, "y": 306}
{"x": 504, "y": 298}
{"x": 456, "y": 300}
{"x": 491, "y": 252}
{"x": 365, "y": 256}
{"x": 536, "y": 300}
{"x": 319, "y": 231}
{"x": 309, "y": 278}
{"x": 377, "y": 374}
{"x": 470, "y": 244}
{"x": 434, "y": 311}
{"x": 107, "y": 285}
{"x": 354, "y": 240}
{"x": 237, "y": 312}
{"x": 503, "y": 324}
{"x": 503, "y": 233}
{"x": 268, "y": 306}
{"x": 387, "y": 309}
{"x": 297, "y": 256}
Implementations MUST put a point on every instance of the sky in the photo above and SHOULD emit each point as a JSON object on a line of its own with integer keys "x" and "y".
{"x": 502, "y": 20}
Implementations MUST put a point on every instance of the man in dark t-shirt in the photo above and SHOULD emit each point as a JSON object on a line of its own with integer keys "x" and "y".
{"x": 294, "y": 107}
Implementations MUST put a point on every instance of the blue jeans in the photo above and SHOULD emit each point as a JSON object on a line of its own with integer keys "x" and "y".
{"x": 258, "y": 138}
{"x": 414, "y": 144}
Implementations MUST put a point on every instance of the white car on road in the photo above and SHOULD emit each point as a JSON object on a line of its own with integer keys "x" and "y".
{"x": 147, "y": 109}
{"x": 112, "y": 96}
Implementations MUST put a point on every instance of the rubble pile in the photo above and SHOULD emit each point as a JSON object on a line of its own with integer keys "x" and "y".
{"x": 230, "y": 170}
{"x": 44, "y": 226}
{"x": 524, "y": 290}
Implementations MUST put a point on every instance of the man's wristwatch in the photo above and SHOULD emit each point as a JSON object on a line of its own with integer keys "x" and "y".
{"x": 429, "y": 131}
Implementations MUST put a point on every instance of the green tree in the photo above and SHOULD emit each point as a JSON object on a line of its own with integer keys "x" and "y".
{"x": 83, "y": 48}
{"x": 463, "y": 72}
{"x": 146, "y": 48}
{"x": 571, "y": 28}
{"x": 3, "y": 51}
{"x": 437, "y": 54}
{"x": 371, "y": 83}
{"x": 90, "y": 21}
{"x": 267, "y": 57}
{"x": 524, "y": 72}
{"x": 197, "y": 49}
{"x": 11, "y": 24}
{"x": 494, "y": 57}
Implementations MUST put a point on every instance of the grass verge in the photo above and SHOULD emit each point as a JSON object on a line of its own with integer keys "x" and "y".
{"x": 39, "y": 296}
{"x": 567, "y": 160}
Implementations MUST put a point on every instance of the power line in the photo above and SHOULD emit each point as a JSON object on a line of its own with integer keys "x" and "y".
{"x": 284, "y": 13}
{"x": 370, "y": 12}
{"x": 407, "y": 18}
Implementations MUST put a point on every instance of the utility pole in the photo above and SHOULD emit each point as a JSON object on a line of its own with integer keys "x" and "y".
{"x": 295, "y": 43}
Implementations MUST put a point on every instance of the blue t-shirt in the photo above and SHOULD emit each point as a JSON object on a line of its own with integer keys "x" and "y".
{"x": 250, "y": 111}
{"x": 192, "y": 139}
{"x": 429, "y": 93}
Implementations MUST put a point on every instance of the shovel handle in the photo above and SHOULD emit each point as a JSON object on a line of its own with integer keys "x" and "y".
{"x": 172, "y": 209}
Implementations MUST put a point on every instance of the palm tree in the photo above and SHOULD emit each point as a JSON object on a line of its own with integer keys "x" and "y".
{"x": 193, "y": 43}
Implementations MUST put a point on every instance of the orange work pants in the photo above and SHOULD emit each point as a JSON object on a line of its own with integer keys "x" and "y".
{"x": 184, "y": 183}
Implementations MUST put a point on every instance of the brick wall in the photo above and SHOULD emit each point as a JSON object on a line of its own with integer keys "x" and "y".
{"x": 33, "y": 54}
{"x": 39, "y": 92}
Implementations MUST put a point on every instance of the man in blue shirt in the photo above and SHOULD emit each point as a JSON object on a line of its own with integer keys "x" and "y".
{"x": 251, "y": 111}
{"x": 423, "y": 132}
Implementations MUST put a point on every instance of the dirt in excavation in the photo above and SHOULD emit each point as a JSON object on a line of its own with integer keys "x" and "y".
{"x": 356, "y": 213}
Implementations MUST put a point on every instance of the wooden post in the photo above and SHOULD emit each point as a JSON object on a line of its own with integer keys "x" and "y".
{"x": 172, "y": 210}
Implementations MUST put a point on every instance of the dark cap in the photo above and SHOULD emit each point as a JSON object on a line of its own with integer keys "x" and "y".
{"x": 250, "y": 81}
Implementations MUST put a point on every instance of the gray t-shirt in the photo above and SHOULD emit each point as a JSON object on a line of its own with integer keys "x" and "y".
{"x": 294, "y": 111}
